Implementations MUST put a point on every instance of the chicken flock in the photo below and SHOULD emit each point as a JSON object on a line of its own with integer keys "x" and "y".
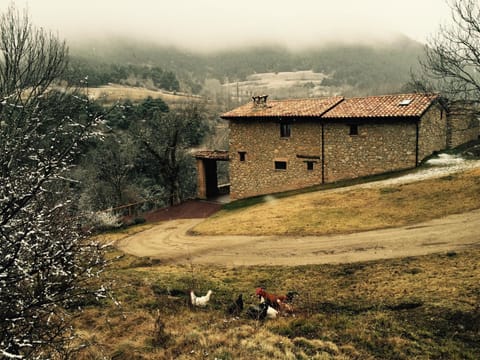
{"x": 269, "y": 307}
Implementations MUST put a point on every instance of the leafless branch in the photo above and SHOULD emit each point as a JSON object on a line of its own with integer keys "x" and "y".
{"x": 453, "y": 54}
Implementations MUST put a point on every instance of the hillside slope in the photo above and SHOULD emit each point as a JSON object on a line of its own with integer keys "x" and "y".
{"x": 355, "y": 69}
{"x": 381, "y": 204}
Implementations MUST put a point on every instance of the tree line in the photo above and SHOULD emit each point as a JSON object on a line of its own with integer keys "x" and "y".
{"x": 102, "y": 73}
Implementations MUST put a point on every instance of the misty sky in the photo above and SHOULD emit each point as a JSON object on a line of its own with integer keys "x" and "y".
{"x": 205, "y": 24}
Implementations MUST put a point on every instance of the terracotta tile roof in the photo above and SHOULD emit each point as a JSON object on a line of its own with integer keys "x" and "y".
{"x": 403, "y": 105}
{"x": 285, "y": 108}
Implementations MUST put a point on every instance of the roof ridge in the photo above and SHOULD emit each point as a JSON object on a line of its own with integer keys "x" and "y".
{"x": 302, "y": 99}
{"x": 390, "y": 95}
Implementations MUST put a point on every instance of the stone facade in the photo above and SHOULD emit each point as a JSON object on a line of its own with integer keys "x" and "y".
{"x": 381, "y": 145}
{"x": 378, "y": 148}
{"x": 261, "y": 145}
{"x": 432, "y": 132}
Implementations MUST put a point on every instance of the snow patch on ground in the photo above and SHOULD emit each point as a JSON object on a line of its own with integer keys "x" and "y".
{"x": 446, "y": 160}
{"x": 443, "y": 165}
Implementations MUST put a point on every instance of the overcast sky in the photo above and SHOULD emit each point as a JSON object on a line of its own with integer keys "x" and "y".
{"x": 205, "y": 24}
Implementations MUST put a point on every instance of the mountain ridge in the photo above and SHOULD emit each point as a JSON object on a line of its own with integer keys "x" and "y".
{"x": 361, "y": 69}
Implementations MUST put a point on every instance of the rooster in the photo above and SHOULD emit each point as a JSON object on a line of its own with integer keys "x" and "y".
{"x": 281, "y": 303}
{"x": 200, "y": 300}
{"x": 271, "y": 299}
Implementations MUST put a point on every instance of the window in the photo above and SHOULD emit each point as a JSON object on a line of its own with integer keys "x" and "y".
{"x": 285, "y": 130}
{"x": 241, "y": 155}
{"x": 353, "y": 129}
{"x": 310, "y": 165}
{"x": 405, "y": 102}
{"x": 280, "y": 165}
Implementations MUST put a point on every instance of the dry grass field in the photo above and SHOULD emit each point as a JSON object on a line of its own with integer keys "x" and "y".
{"x": 412, "y": 308}
{"x": 424, "y": 307}
{"x": 351, "y": 210}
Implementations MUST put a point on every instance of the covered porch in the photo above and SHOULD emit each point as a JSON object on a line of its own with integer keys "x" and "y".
{"x": 208, "y": 187}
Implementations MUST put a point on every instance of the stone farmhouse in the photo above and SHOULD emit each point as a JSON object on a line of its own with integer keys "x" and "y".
{"x": 282, "y": 145}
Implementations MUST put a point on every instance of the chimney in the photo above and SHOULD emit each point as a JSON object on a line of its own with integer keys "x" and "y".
{"x": 260, "y": 101}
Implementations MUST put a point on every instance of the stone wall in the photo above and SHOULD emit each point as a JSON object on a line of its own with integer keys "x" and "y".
{"x": 432, "y": 132}
{"x": 262, "y": 145}
{"x": 381, "y": 145}
{"x": 462, "y": 128}
{"x": 378, "y": 148}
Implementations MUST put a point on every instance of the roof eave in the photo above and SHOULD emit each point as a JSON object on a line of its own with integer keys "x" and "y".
{"x": 272, "y": 117}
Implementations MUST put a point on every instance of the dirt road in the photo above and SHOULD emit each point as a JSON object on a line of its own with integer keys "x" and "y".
{"x": 170, "y": 243}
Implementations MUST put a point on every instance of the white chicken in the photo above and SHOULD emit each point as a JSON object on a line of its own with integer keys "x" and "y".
{"x": 271, "y": 312}
{"x": 200, "y": 300}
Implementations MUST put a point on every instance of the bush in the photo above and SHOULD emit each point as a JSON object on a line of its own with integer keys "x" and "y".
{"x": 105, "y": 220}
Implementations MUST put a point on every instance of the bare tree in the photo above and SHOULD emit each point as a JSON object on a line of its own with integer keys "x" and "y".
{"x": 47, "y": 266}
{"x": 109, "y": 173}
{"x": 167, "y": 137}
{"x": 31, "y": 59}
{"x": 453, "y": 54}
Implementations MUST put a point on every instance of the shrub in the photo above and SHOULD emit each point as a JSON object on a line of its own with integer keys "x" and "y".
{"x": 105, "y": 220}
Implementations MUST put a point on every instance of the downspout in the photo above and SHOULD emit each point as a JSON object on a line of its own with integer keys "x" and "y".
{"x": 417, "y": 143}
{"x": 323, "y": 154}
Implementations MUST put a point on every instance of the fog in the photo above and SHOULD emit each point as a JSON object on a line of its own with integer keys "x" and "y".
{"x": 216, "y": 24}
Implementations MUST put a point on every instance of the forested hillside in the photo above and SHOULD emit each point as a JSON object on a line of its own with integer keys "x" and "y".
{"x": 363, "y": 69}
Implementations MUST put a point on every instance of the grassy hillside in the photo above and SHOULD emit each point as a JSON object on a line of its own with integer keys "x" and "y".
{"x": 412, "y": 308}
{"x": 350, "y": 210}
{"x": 422, "y": 308}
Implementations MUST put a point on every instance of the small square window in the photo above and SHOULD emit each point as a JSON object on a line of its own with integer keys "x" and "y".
{"x": 353, "y": 129}
{"x": 310, "y": 165}
{"x": 280, "y": 165}
{"x": 285, "y": 130}
{"x": 241, "y": 155}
